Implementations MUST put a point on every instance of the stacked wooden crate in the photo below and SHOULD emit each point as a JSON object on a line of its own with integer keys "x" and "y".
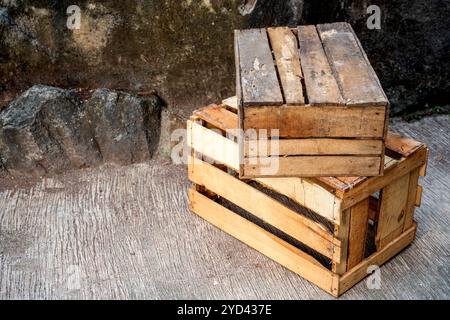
{"x": 320, "y": 95}
{"x": 328, "y": 228}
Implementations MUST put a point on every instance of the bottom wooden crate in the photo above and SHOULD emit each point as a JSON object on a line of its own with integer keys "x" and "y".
{"x": 288, "y": 255}
{"x": 334, "y": 255}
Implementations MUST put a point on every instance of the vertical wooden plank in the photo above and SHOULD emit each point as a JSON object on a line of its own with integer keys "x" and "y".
{"x": 321, "y": 86}
{"x": 285, "y": 49}
{"x": 358, "y": 83}
{"x": 258, "y": 78}
{"x": 411, "y": 202}
{"x": 240, "y": 104}
{"x": 342, "y": 232}
{"x": 359, "y": 220}
{"x": 393, "y": 207}
{"x": 419, "y": 196}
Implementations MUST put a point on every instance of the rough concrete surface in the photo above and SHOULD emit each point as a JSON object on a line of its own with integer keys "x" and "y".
{"x": 126, "y": 232}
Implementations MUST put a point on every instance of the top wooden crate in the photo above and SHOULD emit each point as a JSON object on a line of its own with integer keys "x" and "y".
{"x": 315, "y": 86}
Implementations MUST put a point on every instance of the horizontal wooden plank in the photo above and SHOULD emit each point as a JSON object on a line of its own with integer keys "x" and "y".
{"x": 359, "y": 272}
{"x": 310, "y": 166}
{"x": 308, "y": 194}
{"x": 258, "y": 77}
{"x": 231, "y": 102}
{"x": 373, "y": 184}
{"x": 219, "y": 117}
{"x": 308, "y": 232}
{"x": 213, "y": 145}
{"x": 321, "y": 86}
{"x": 401, "y": 145}
{"x": 285, "y": 50}
{"x": 357, "y": 81}
{"x": 306, "y": 146}
{"x": 317, "y": 121}
{"x": 266, "y": 243}
{"x": 352, "y": 182}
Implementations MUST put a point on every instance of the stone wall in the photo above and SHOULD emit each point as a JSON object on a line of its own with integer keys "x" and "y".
{"x": 184, "y": 49}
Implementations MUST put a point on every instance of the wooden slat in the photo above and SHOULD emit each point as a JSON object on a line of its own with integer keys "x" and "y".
{"x": 373, "y": 184}
{"x": 411, "y": 202}
{"x": 393, "y": 205}
{"x": 339, "y": 265}
{"x": 335, "y": 122}
{"x": 423, "y": 168}
{"x": 401, "y": 145}
{"x": 213, "y": 145}
{"x": 418, "y": 197}
{"x": 358, "y": 83}
{"x": 263, "y": 241}
{"x": 231, "y": 102}
{"x": 359, "y": 221}
{"x": 308, "y": 194}
{"x": 352, "y": 182}
{"x": 373, "y": 208}
{"x": 264, "y": 207}
{"x": 359, "y": 272}
{"x": 285, "y": 50}
{"x": 310, "y": 166}
{"x": 258, "y": 78}
{"x": 323, "y": 146}
{"x": 321, "y": 86}
{"x": 219, "y": 117}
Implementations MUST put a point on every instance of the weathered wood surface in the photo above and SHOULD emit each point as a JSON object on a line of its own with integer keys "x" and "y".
{"x": 258, "y": 77}
{"x": 128, "y": 233}
{"x": 338, "y": 122}
{"x": 285, "y": 50}
{"x": 358, "y": 82}
{"x": 321, "y": 86}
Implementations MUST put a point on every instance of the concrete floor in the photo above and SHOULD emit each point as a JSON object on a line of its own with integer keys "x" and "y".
{"x": 126, "y": 233}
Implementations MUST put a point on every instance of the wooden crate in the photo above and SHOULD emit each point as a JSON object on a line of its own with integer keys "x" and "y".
{"x": 315, "y": 87}
{"x": 326, "y": 229}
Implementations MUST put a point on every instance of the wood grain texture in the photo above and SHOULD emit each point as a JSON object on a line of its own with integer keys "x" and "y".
{"x": 231, "y": 102}
{"x": 321, "y": 86}
{"x": 264, "y": 207}
{"x": 261, "y": 240}
{"x": 374, "y": 184}
{"x": 411, "y": 202}
{"x": 318, "y": 121}
{"x": 311, "y": 166}
{"x": 318, "y": 146}
{"x": 360, "y": 271}
{"x": 308, "y": 194}
{"x": 219, "y": 117}
{"x": 341, "y": 231}
{"x": 359, "y": 221}
{"x": 258, "y": 78}
{"x": 393, "y": 206}
{"x": 358, "y": 83}
{"x": 285, "y": 50}
{"x": 213, "y": 145}
{"x": 132, "y": 236}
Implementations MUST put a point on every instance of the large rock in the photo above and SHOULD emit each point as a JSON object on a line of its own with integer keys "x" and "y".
{"x": 126, "y": 128}
{"x": 44, "y": 130}
{"x": 50, "y": 130}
